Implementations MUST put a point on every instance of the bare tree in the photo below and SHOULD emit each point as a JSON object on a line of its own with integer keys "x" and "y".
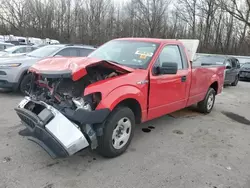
{"x": 221, "y": 25}
{"x": 238, "y": 9}
{"x": 187, "y": 11}
{"x": 150, "y": 15}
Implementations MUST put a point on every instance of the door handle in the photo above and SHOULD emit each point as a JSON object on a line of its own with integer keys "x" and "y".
{"x": 184, "y": 78}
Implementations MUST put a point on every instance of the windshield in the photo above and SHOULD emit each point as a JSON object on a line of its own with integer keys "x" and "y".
{"x": 11, "y": 49}
{"x": 44, "y": 51}
{"x": 246, "y": 65}
{"x": 133, "y": 54}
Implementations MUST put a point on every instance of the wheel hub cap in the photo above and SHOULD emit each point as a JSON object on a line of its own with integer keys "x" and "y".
{"x": 121, "y": 133}
{"x": 210, "y": 102}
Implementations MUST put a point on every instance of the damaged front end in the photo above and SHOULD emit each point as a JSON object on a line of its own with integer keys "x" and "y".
{"x": 58, "y": 116}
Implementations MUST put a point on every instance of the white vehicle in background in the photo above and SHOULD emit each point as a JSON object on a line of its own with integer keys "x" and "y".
{"x": 4, "y": 45}
{"x": 16, "y": 51}
{"x": 21, "y": 40}
{"x": 51, "y": 41}
{"x": 1, "y": 38}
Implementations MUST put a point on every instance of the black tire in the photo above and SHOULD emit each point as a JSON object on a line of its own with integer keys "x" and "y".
{"x": 204, "y": 105}
{"x": 235, "y": 81}
{"x": 105, "y": 142}
{"x": 25, "y": 83}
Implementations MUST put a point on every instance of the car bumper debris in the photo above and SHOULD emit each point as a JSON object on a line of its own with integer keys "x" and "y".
{"x": 49, "y": 128}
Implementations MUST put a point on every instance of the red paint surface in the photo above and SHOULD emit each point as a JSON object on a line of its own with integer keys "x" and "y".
{"x": 166, "y": 93}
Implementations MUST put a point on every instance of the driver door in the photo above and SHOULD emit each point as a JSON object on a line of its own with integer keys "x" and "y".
{"x": 228, "y": 71}
{"x": 169, "y": 92}
{"x": 234, "y": 71}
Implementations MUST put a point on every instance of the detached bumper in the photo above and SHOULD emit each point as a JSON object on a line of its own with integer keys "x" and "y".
{"x": 50, "y": 129}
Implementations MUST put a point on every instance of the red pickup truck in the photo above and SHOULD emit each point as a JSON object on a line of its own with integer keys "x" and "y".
{"x": 95, "y": 102}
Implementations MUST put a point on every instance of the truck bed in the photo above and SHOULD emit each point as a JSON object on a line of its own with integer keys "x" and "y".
{"x": 201, "y": 81}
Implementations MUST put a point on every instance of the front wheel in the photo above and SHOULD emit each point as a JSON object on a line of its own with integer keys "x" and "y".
{"x": 207, "y": 104}
{"x": 118, "y": 133}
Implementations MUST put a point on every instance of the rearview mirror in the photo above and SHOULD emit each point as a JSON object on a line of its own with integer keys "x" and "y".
{"x": 167, "y": 68}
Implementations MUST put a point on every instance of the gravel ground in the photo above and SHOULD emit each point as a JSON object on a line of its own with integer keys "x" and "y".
{"x": 185, "y": 149}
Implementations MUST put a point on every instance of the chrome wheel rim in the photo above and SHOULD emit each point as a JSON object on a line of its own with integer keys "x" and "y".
{"x": 210, "y": 101}
{"x": 121, "y": 133}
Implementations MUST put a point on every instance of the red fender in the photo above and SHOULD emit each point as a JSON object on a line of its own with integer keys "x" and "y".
{"x": 122, "y": 93}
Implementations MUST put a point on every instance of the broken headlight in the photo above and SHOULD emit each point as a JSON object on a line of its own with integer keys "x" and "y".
{"x": 81, "y": 103}
{"x": 88, "y": 102}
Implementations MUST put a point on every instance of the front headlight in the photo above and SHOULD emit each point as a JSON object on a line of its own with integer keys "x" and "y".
{"x": 10, "y": 65}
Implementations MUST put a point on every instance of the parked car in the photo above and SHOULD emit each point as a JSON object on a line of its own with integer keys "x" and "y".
{"x": 16, "y": 51}
{"x": 245, "y": 71}
{"x": 232, "y": 66}
{"x": 232, "y": 71}
{"x": 95, "y": 102}
{"x": 4, "y": 45}
{"x": 13, "y": 71}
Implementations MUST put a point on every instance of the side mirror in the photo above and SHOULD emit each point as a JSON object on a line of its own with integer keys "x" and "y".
{"x": 228, "y": 67}
{"x": 167, "y": 68}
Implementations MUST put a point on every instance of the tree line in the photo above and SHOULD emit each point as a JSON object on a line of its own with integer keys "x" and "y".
{"x": 222, "y": 26}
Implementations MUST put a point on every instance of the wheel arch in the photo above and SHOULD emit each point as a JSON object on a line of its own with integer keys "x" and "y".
{"x": 215, "y": 86}
{"x": 128, "y": 96}
{"x": 25, "y": 72}
{"x": 19, "y": 80}
{"x": 134, "y": 105}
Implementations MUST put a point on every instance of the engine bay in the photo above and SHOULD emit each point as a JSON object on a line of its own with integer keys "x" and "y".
{"x": 63, "y": 92}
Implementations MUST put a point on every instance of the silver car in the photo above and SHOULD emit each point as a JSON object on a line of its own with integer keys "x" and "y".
{"x": 16, "y": 51}
{"x": 13, "y": 70}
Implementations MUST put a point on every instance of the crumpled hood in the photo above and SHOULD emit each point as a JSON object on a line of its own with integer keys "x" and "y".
{"x": 76, "y": 66}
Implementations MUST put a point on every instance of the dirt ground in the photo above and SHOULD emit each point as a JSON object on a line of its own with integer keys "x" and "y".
{"x": 185, "y": 149}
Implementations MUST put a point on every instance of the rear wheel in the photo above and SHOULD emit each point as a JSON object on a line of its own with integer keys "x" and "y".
{"x": 235, "y": 81}
{"x": 25, "y": 84}
{"x": 207, "y": 104}
{"x": 118, "y": 133}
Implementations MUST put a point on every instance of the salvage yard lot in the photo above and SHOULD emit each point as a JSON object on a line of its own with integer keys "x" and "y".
{"x": 185, "y": 149}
